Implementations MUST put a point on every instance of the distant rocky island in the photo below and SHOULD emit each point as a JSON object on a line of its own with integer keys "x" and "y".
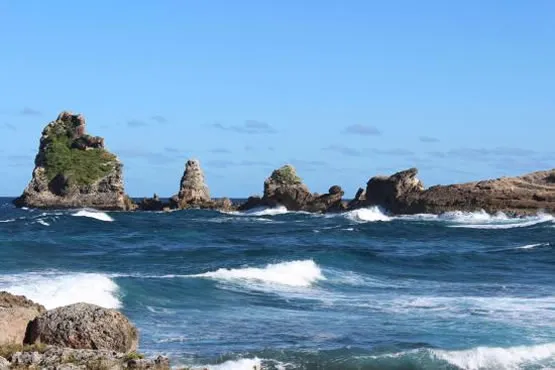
{"x": 74, "y": 170}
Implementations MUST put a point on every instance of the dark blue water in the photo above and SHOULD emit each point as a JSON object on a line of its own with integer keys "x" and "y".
{"x": 297, "y": 291}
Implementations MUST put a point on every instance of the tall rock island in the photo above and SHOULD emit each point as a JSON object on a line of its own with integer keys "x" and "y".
{"x": 74, "y": 170}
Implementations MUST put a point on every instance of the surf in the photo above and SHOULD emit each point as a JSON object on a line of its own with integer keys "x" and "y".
{"x": 53, "y": 289}
{"x": 97, "y": 215}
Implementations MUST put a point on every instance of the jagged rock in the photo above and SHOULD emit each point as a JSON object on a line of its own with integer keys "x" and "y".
{"x": 74, "y": 170}
{"x": 389, "y": 192}
{"x": 330, "y": 202}
{"x": 403, "y": 193}
{"x": 285, "y": 188}
{"x": 15, "y": 314}
{"x": 57, "y": 358}
{"x": 152, "y": 204}
{"x": 193, "y": 192}
{"x": 83, "y": 326}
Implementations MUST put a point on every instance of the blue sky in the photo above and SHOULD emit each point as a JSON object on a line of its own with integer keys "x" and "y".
{"x": 344, "y": 90}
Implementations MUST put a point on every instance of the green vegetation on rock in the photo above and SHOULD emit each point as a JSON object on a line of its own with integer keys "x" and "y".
{"x": 286, "y": 175}
{"x": 81, "y": 167}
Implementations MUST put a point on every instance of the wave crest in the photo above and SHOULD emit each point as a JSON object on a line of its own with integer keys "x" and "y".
{"x": 97, "y": 215}
{"x": 53, "y": 289}
{"x": 371, "y": 214}
{"x": 295, "y": 273}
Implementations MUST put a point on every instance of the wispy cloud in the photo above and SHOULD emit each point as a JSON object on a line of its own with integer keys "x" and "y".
{"x": 159, "y": 119}
{"x": 29, "y": 112}
{"x": 248, "y": 127}
{"x": 364, "y": 130}
{"x": 350, "y": 152}
{"x": 10, "y": 126}
{"x": 428, "y": 139}
{"x": 136, "y": 123}
{"x": 150, "y": 156}
{"x": 170, "y": 149}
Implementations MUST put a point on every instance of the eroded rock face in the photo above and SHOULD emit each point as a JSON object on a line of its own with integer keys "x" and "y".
{"x": 152, "y": 204}
{"x": 74, "y": 170}
{"x": 84, "y": 326}
{"x": 193, "y": 191}
{"x": 15, "y": 314}
{"x": 521, "y": 195}
{"x": 403, "y": 193}
{"x": 285, "y": 188}
{"x": 390, "y": 192}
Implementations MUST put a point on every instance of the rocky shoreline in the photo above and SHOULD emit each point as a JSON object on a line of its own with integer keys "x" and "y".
{"x": 74, "y": 170}
{"x": 78, "y": 336}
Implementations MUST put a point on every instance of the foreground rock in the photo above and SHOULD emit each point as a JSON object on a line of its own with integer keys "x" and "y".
{"x": 74, "y": 170}
{"x": 51, "y": 357}
{"x": 15, "y": 314}
{"x": 403, "y": 193}
{"x": 285, "y": 188}
{"x": 84, "y": 326}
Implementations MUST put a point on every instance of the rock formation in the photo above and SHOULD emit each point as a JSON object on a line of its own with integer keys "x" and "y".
{"x": 152, "y": 204}
{"x": 193, "y": 191}
{"x": 15, "y": 314}
{"x": 285, "y": 188}
{"x": 403, "y": 193}
{"x": 83, "y": 326}
{"x": 73, "y": 170}
{"x": 79, "y": 336}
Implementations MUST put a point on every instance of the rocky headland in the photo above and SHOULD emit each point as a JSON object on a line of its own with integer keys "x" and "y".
{"x": 78, "y": 336}
{"x": 74, "y": 170}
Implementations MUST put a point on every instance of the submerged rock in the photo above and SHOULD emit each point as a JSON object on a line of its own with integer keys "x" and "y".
{"x": 15, "y": 314}
{"x": 74, "y": 170}
{"x": 84, "y": 326}
{"x": 403, "y": 193}
{"x": 285, "y": 188}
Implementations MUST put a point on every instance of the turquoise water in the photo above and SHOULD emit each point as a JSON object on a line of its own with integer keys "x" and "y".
{"x": 283, "y": 290}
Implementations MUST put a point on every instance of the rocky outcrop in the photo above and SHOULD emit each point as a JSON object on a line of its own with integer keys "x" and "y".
{"x": 83, "y": 326}
{"x": 285, "y": 188}
{"x": 152, "y": 204}
{"x": 403, "y": 193}
{"x": 15, "y": 314}
{"x": 193, "y": 191}
{"x": 74, "y": 170}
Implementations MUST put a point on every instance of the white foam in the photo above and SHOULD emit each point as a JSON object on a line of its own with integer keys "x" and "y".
{"x": 371, "y": 214}
{"x": 279, "y": 210}
{"x": 507, "y": 223}
{"x": 531, "y": 246}
{"x": 295, "y": 273}
{"x": 242, "y": 364}
{"x": 42, "y": 222}
{"x": 496, "y": 357}
{"x": 53, "y": 289}
{"x": 6, "y": 221}
{"x": 97, "y": 215}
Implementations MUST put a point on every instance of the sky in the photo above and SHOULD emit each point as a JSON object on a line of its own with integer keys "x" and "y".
{"x": 343, "y": 90}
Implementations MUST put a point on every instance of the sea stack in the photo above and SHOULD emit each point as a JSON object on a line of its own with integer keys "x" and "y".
{"x": 403, "y": 193}
{"x": 74, "y": 170}
{"x": 285, "y": 188}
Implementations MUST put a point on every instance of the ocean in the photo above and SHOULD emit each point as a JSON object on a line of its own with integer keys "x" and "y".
{"x": 273, "y": 289}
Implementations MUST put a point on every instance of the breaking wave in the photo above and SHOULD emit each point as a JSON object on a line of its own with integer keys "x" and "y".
{"x": 371, "y": 214}
{"x": 295, "y": 274}
{"x": 496, "y": 357}
{"x": 97, "y": 215}
{"x": 500, "y": 221}
{"x": 53, "y": 289}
